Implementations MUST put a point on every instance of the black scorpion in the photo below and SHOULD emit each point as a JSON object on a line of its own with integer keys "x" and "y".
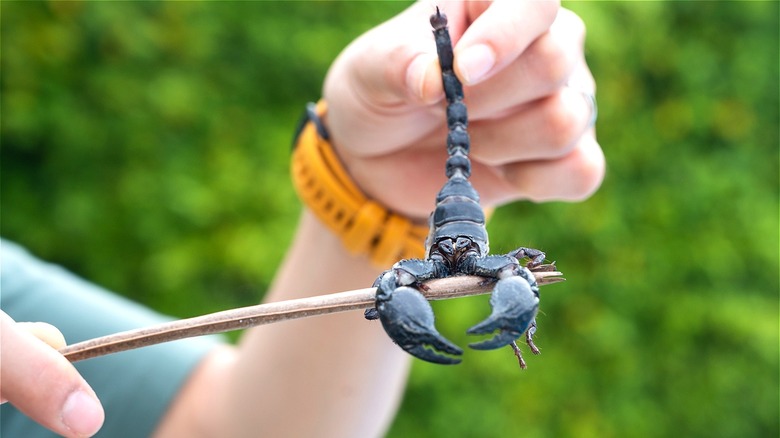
{"x": 457, "y": 244}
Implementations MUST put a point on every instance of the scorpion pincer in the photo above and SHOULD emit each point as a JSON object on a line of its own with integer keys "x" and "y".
{"x": 457, "y": 244}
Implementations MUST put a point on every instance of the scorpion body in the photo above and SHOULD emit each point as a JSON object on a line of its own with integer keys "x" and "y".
{"x": 457, "y": 244}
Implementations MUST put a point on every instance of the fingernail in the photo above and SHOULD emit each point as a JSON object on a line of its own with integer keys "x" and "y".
{"x": 475, "y": 62}
{"x": 82, "y": 413}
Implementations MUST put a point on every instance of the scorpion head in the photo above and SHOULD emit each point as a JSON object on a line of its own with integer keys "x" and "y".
{"x": 454, "y": 252}
{"x": 457, "y": 225}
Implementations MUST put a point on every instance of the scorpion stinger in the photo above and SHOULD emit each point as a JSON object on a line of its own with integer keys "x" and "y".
{"x": 457, "y": 244}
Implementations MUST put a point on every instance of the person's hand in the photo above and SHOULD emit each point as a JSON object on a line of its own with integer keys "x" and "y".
{"x": 526, "y": 87}
{"x": 40, "y": 382}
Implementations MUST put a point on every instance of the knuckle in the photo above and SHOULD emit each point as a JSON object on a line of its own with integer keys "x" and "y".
{"x": 552, "y": 61}
{"x": 588, "y": 170}
{"x": 572, "y": 22}
{"x": 572, "y": 178}
{"x": 548, "y": 9}
{"x": 562, "y": 126}
{"x": 556, "y": 54}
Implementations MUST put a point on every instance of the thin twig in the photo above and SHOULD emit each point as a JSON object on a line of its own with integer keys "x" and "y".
{"x": 245, "y": 317}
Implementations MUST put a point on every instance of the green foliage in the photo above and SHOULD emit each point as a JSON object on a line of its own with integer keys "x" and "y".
{"x": 145, "y": 146}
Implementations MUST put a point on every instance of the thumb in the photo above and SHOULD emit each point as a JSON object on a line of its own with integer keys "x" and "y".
{"x": 41, "y": 383}
{"x": 394, "y": 63}
{"x": 499, "y": 33}
{"x": 381, "y": 87}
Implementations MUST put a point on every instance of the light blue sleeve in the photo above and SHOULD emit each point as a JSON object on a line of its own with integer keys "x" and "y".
{"x": 135, "y": 386}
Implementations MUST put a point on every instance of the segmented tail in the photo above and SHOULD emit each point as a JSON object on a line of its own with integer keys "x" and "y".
{"x": 458, "y": 141}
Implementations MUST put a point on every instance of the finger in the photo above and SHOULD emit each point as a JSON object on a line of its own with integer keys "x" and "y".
{"x": 45, "y": 332}
{"x": 388, "y": 76}
{"x": 393, "y": 62}
{"x": 42, "y": 384}
{"x": 546, "y": 129}
{"x": 541, "y": 70}
{"x": 499, "y": 35}
{"x": 570, "y": 178}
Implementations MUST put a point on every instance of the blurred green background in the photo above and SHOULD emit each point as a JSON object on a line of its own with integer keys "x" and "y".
{"x": 145, "y": 146}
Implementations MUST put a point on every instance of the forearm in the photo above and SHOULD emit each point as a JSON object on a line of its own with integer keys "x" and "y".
{"x": 336, "y": 375}
{"x": 340, "y": 375}
{"x": 338, "y": 372}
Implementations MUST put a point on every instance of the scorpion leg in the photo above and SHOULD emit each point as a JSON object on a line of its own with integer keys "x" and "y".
{"x": 406, "y": 315}
{"x": 536, "y": 256}
{"x": 518, "y": 355}
{"x": 529, "y": 339}
{"x": 515, "y": 301}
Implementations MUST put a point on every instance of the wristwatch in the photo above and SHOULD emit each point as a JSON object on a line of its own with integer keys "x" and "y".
{"x": 325, "y": 187}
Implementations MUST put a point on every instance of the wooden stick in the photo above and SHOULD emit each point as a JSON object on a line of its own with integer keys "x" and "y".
{"x": 245, "y": 317}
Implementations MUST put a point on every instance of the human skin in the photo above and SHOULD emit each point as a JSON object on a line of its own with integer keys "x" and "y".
{"x": 524, "y": 73}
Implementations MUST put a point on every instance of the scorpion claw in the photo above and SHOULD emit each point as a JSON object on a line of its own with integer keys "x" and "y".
{"x": 505, "y": 337}
{"x": 514, "y": 308}
{"x": 420, "y": 352}
{"x": 407, "y": 318}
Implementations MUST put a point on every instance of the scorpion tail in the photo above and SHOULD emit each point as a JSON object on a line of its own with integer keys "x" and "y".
{"x": 515, "y": 305}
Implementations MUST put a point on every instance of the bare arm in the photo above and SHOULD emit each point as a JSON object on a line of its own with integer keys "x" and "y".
{"x": 336, "y": 375}
{"x": 524, "y": 72}
{"x": 339, "y": 375}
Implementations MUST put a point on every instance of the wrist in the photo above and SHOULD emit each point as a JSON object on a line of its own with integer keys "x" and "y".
{"x": 363, "y": 225}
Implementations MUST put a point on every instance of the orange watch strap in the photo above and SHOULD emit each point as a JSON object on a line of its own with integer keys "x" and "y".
{"x": 363, "y": 225}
